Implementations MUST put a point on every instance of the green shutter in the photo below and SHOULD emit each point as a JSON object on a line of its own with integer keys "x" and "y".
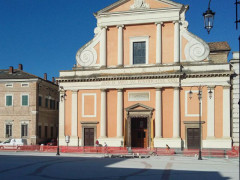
{"x": 9, "y": 100}
{"x": 25, "y": 100}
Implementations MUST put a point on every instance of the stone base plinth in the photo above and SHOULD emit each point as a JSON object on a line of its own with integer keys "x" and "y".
{"x": 171, "y": 142}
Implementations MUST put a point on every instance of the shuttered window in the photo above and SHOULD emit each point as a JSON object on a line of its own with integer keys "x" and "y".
{"x": 139, "y": 52}
{"x": 9, "y": 100}
{"x": 24, "y": 100}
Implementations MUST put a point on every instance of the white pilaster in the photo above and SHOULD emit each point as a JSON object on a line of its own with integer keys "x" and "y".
{"x": 176, "y": 113}
{"x": 120, "y": 45}
{"x": 226, "y": 112}
{"x": 176, "y": 42}
{"x": 103, "y": 47}
{"x": 210, "y": 114}
{"x": 158, "y": 114}
{"x": 103, "y": 113}
{"x": 74, "y": 128}
{"x": 119, "y": 112}
{"x": 159, "y": 43}
{"x": 61, "y": 128}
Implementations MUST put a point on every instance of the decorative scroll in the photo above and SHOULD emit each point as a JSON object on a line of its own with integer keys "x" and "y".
{"x": 88, "y": 57}
{"x": 196, "y": 49}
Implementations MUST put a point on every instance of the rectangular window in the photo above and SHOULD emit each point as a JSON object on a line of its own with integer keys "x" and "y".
{"x": 57, "y": 105}
{"x": 46, "y": 102}
{"x": 24, "y": 100}
{"x": 51, "y": 132}
{"x": 46, "y": 132}
{"x": 40, "y": 100}
{"x": 9, "y": 85}
{"x": 52, "y": 104}
{"x": 9, "y": 100}
{"x": 139, "y": 52}
{"x": 25, "y": 84}
{"x": 24, "y": 128}
{"x": 8, "y": 130}
{"x": 40, "y": 131}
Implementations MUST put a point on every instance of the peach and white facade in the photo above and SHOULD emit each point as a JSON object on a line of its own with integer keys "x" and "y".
{"x": 130, "y": 85}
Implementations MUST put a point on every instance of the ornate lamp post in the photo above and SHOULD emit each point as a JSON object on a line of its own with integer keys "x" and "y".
{"x": 208, "y": 18}
{"x": 200, "y": 123}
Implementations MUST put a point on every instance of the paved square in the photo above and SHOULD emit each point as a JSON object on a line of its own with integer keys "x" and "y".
{"x": 39, "y": 166}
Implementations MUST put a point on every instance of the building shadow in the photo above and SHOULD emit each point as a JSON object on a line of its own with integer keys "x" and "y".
{"x": 91, "y": 168}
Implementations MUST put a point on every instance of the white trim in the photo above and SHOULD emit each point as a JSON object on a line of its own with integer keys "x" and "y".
{"x": 129, "y": 93}
{"x": 139, "y": 39}
{"x": 24, "y": 94}
{"x": 6, "y": 100}
{"x": 95, "y": 104}
{"x": 9, "y": 85}
{"x": 27, "y": 84}
{"x": 186, "y": 105}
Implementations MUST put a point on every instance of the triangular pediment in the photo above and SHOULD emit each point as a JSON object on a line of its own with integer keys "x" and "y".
{"x": 139, "y": 107}
{"x": 128, "y": 5}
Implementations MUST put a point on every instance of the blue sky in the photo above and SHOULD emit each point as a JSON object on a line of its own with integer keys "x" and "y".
{"x": 44, "y": 35}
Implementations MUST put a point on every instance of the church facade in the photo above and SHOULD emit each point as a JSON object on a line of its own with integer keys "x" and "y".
{"x": 145, "y": 81}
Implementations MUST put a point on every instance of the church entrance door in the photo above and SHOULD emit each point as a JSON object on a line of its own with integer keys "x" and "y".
{"x": 139, "y": 132}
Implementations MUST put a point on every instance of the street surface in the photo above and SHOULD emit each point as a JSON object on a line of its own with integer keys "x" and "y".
{"x": 39, "y": 166}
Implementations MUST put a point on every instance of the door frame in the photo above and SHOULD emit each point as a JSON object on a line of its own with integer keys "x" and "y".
{"x": 87, "y": 124}
{"x": 192, "y": 124}
{"x": 138, "y": 111}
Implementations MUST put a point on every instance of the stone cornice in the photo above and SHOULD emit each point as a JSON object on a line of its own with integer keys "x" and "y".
{"x": 142, "y": 76}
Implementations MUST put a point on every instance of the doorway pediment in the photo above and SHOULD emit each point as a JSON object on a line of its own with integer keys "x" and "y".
{"x": 139, "y": 108}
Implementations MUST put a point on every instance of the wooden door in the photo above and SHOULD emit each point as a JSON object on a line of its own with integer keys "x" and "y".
{"x": 88, "y": 136}
{"x": 139, "y": 132}
{"x": 193, "y": 138}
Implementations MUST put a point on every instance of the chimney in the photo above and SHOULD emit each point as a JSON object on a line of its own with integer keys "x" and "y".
{"x": 20, "y": 67}
{"x": 45, "y": 76}
{"x": 53, "y": 80}
{"x": 10, "y": 70}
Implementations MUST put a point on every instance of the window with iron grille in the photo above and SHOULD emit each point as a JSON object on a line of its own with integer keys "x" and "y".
{"x": 8, "y": 130}
{"x": 24, "y": 128}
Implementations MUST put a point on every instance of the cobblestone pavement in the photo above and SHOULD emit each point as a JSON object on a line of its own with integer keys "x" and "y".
{"x": 39, "y": 166}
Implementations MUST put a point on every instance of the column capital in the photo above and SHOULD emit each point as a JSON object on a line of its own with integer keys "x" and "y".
{"x": 103, "y": 90}
{"x": 120, "y": 26}
{"x": 120, "y": 89}
{"x": 211, "y": 87}
{"x": 160, "y": 22}
{"x": 159, "y": 88}
{"x": 74, "y": 91}
{"x": 177, "y": 21}
{"x": 176, "y": 88}
{"x": 103, "y": 27}
{"x": 226, "y": 87}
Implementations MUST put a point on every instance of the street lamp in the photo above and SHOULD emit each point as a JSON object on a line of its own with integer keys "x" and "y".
{"x": 208, "y": 18}
{"x": 200, "y": 123}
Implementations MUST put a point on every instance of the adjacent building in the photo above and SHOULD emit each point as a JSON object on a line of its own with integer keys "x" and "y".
{"x": 145, "y": 81}
{"x": 28, "y": 106}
